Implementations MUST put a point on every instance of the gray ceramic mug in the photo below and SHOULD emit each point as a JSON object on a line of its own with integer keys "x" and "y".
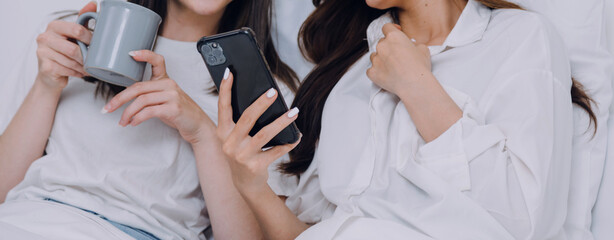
{"x": 121, "y": 27}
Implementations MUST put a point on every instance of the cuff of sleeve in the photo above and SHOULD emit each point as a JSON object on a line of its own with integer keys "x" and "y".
{"x": 445, "y": 156}
{"x": 449, "y": 155}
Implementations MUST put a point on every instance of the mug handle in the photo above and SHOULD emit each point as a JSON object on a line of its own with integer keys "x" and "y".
{"x": 83, "y": 20}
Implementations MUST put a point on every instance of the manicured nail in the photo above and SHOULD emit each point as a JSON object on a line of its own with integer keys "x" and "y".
{"x": 104, "y": 110}
{"x": 133, "y": 53}
{"x": 226, "y": 73}
{"x": 293, "y": 112}
{"x": 270, "y": 93}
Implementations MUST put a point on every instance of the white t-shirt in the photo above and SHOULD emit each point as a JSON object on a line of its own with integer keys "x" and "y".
{"x": 143, "y": 176}
{"x": 500, "y": 172}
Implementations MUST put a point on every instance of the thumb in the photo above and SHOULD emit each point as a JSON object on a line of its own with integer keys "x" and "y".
{"x": 90, "y": 7}
{"x": 158, "y": 66}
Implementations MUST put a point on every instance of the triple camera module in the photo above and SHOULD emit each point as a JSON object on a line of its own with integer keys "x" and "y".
{"x": 214, "y": 54}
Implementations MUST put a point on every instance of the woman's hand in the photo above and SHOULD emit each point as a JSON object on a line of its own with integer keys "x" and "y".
{"x": 248, "y": 162}
{"x": 161, "y": 98}
{"x": 58, "y": 57}
{"x": 398, "y": 62}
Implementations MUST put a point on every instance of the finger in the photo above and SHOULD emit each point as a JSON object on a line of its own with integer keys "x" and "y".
{"x": 62, "y": 60}
{"x": 380, "y": 47}
{"x": 148, "y": 113}
{"x": 134, "y": 91}
{"x": 70, "y": 30}
{"x": 254, "y": 111}
{"x": 225, "y": 121}
{"x": 270, "y": 131}
{"x": 278, "y": 151}
{"x": 158, "y": 67}
{"x": 372, "y": 57}
{"x": 141, "y": 102}
{"x": 90, "y": 7}
{"x": 63, "y": 46}
{"x": 389, "y": 28}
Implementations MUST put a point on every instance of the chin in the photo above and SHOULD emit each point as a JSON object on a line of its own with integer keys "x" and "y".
{"x": 206, "y": 7}
{"x": 382, "y": 4}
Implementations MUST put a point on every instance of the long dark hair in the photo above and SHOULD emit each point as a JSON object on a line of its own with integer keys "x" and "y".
{"x": 255, "y": 14}
{"x": 335, "y": 53}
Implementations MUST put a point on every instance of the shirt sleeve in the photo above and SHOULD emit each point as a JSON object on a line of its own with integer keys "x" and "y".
{"x": 511, "y": 154}
{"x": 308, "y": 202}
{"x": 282, "y": 184}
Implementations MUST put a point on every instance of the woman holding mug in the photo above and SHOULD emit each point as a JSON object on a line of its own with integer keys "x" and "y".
{"x": 68, "y": 171}
{"x": 439, "y": 119}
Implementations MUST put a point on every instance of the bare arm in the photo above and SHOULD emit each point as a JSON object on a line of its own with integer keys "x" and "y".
{"x": 249, "y": 164}
{"x": 430, "y": 107}
{"x": 230, "y": 216}
{"x": 26, "y": 136}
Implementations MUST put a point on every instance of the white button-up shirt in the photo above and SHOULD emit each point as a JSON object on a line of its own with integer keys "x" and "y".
{"x": 500, "y": 172}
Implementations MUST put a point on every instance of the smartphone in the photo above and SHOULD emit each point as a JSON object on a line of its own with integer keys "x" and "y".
{"x": 238, "y": 51}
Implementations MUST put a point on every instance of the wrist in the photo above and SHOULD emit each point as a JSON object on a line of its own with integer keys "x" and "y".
{"x": 415, "y": 85}
{"x": 205, "y": 132}
{"x": 46, "y": 85}
{"x": 40, "y": 87}
{"x": 253, "y": 190}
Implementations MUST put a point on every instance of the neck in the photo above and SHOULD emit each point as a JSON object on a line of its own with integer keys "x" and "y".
{"x": 430, "y": 21}
{"x": 183, "y": 24}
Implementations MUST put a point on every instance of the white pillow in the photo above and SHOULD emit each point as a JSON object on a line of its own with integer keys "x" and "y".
{"x": 23, "y": 21}
{"x": 581, "y": 24}
{"x": 288, "y": 16}
{"x": 603, "y": 212}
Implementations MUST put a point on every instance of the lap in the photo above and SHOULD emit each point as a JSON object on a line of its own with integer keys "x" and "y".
{"x": 38, "y": 219}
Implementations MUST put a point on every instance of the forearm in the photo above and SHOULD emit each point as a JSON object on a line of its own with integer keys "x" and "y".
{"x": 276, "y": 220}
{"x": 230, "y": 216}
{"x": 25, "y": 138}
{"x": 431, "y": 108}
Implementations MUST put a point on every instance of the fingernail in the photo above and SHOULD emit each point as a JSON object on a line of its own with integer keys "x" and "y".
{"x": 104, "y": 110}
{"x": 133, "y": 53}
{"x": 270, "y": 93}
{"x": 293, "y": 112}
{"x": 226, "y": 73}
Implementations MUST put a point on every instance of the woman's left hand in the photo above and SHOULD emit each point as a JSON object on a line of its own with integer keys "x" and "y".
{"x": 161, "y": 98}
{"x": 398, "y": 62}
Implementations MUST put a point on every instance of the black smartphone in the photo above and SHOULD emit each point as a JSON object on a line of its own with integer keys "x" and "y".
{"x": 238, "y": 51}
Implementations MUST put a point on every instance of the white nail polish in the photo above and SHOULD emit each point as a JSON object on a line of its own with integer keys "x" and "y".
{"x": 132, "y": 53}
{"x": 104, "y": 111}
{"x": 226, "y": 73}
{"x": 270, "y": 93}
{"x": 293, "y": 112}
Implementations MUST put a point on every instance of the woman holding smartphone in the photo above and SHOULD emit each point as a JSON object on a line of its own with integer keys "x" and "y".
{"x": 445, "y": 119}
{"x": 134, "y": 172}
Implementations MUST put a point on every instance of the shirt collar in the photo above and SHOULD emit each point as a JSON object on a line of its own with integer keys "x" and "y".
{"x": 469, "y": 28}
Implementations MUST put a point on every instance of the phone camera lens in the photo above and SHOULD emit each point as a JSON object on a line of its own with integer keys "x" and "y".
{"x": 207, "y": 49}
{"x": 214, "y": 45}
{"x": 212, "y": 59}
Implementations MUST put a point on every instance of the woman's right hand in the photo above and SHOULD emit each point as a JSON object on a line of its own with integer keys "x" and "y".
{"x": 58, "y": 57}
{"x": 248, "y": 162}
